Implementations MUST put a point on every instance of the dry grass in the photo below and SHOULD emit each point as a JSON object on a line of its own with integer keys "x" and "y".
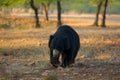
{"x": 19, "y": 22}
{"x": 24, "y": 54}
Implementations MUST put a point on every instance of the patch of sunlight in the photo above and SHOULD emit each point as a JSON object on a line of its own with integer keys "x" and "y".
{"x": 103, "y": 56}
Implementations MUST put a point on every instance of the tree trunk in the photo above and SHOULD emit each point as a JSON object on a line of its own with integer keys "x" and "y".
{"x": 46, "y": 8}
{"x": 97, "y": 13}
{"x": 59, "y": 13}
{"x": 36, "y": 13}
{"x": 104, "y": 13}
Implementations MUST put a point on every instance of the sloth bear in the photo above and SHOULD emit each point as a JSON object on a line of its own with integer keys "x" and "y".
{"x": 65, "y": 42}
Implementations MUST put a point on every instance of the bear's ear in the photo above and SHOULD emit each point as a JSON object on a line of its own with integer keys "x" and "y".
{"x": 50, "y": 39}
{"x": 66, "y": 42}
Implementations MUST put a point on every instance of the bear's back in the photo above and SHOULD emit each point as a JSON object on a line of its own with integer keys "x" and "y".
{"x": 66, "y": 30}
{"x": 69, "y": 32}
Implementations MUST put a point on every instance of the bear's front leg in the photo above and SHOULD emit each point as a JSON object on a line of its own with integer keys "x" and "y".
{"x": 64, "y": 60}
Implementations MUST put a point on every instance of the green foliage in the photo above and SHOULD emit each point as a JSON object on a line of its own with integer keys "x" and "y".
{"x": 11, "y": 3}
{"x": 115, "y": 8}
{"x": 86, "y": 6}
{"x": 94, "y": 2}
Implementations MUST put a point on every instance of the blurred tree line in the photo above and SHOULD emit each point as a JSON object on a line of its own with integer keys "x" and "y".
{"x": 65, "y": 6}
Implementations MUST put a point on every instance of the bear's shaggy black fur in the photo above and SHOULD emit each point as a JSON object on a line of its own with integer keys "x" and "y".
{"x": 65, "y": 41}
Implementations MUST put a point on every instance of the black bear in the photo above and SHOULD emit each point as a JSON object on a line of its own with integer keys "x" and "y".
{"x": 65, "y": 42}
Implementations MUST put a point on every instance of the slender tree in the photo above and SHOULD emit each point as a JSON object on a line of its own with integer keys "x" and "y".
{"x": 46, "y": 8}
{"x": 46, "y": 5}
{"x": 98, "y": 12}
{"x": 36, "y": 13}
{"x": 104, "y": 13}
{"x": 59, "y": 13}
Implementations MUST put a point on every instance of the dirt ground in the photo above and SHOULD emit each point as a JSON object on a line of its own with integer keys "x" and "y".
{"x": 24, "y": 54}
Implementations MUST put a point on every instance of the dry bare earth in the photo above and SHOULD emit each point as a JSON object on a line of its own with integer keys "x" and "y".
{"x": 24, "y": 55}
